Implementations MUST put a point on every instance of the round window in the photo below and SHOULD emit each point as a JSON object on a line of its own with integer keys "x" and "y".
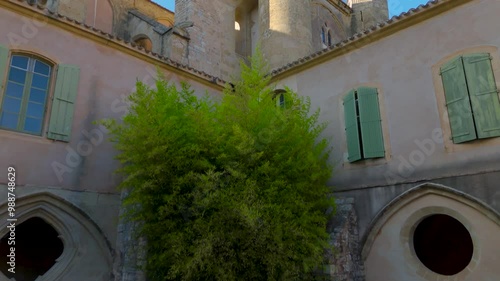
{"x": 443, "y": 244}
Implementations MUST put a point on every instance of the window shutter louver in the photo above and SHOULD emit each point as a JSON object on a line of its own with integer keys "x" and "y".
{"x": 458, "y": 102}
{"x": 483, "y": 94}
{"x": 63, "y": 104}
{"x": 351, "y": 128}
{"x": 4, "y": 64}
{"x": 371, "y": 123}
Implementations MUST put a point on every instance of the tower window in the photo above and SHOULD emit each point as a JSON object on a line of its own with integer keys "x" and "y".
{"x": 237, "y": 26}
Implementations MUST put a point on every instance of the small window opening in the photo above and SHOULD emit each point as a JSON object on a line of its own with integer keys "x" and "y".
{"x": 237, "y": 26}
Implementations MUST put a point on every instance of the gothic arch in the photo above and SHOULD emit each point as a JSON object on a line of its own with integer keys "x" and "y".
{"x": 64, "y": 218}
{"x": 143, "y": 41}
{"x": 432, "y": 232}
{"x": 100, "y": 14}
{"x": 418, "y": 192}
{"x": 338, "y": 24}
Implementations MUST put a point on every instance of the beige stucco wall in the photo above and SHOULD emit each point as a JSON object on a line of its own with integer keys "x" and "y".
{"x": 391, "y": 255}
{"x": 403, "y": 66}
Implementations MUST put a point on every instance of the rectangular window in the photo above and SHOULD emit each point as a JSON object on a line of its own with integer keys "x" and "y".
{"x": 471, "y": 97}
{"x": 363, "y": 125}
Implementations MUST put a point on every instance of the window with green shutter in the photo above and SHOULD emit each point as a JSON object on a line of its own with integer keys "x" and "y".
{"x": 24, "y": 91}
{"x": 363, "y": 125}
{"x": 471, "y": 97}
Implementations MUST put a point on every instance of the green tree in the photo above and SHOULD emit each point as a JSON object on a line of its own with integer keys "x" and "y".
{"x": 227, "y": 190}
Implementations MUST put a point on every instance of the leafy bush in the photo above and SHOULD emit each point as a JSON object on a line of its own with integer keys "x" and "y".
{"x": 227, "y": 190}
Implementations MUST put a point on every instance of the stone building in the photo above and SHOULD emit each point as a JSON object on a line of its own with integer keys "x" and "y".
{"x": 412, "y": 106}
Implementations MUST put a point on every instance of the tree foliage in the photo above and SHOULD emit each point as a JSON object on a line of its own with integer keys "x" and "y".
{"x": 227, "y": 190}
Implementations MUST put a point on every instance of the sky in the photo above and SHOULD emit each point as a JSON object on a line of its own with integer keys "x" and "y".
{"x": 396, "y": 7}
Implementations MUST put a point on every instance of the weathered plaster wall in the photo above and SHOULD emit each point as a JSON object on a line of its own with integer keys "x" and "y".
{"x": 81, "y": 172}
{"x": 404, "y": 68}
{"x": 107, "y": 75}
{"x": 401, "y": 67}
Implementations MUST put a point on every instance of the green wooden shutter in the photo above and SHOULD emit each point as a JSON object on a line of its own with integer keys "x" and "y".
{"x": 351, "y": 127}
{"x": 371, "y": 123}
{"x": 457, "y": 101}
{"x": 63, "y": 103}
{"x": 483, "y": 94}
{"x": 4, "y": 64}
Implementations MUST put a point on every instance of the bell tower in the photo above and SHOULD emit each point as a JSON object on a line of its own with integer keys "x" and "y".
{"x": 285, "y": 30}
{"x": 367, "y": 13}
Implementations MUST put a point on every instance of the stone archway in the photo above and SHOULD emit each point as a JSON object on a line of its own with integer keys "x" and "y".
{"x": 34, "y": 254}
{"x": 389, "y": 250}
{"x": 390, "y": 246}
{"x": 86, "y": 254}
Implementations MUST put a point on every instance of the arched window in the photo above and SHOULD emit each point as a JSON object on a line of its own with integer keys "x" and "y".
{"x": 329, "y": 38}
{"x": 323, "y": 36}
{"x": 26, "y": 80}
{"x": 144, "y": 42}
{"x": 237, "y": 26}
{"x": 25, "y": 98}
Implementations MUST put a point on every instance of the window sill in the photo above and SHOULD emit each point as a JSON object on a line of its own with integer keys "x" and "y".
{"x": 365, "y": 162}
{"x": 23, "y": 137}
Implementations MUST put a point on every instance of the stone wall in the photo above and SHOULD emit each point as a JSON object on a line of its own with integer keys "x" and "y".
{"x": 345, "y": 261}
{"x": 367, "y": 13}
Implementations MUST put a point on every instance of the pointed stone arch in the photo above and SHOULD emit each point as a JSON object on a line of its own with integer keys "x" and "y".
{"x": 338, "y": 27}
{"x": 81, "y": 237}
{"x": 100, "y": 14}
{"x": 387, "y": 246}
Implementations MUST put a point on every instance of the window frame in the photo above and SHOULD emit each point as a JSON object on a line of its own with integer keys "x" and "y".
{"x": 444, "y": 119}
{"x": 27, "y": 87}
